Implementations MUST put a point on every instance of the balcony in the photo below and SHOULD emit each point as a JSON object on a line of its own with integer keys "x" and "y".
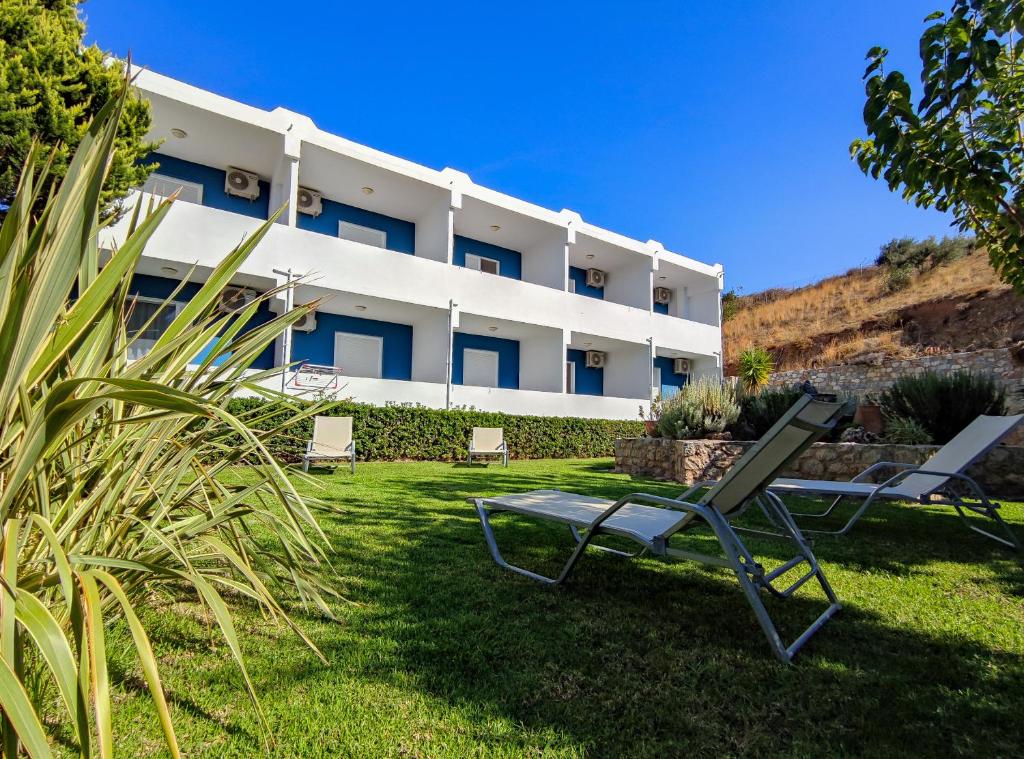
{"x": 193, "y": 234}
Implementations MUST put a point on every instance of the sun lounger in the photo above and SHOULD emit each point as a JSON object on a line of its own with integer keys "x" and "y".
{"x": 940, "y": 480}
{"x": 651, "y": 521}
{"x": 332, "y": 441}
{"x": 488, "y": 441}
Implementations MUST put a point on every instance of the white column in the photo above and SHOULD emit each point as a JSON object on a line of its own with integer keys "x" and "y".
{"x": 430, "y": 336}
{"x": 542, "y": 361}
{"x": 284, "y": 185}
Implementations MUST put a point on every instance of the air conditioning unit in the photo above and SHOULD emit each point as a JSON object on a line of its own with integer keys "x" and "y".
{"x": 596, "y": 359}
{"x": 681, "y": 366}
{"x": 596, "y": 278}
{"x": 309, "y": 202}
{"x": 241, "y": 183}
{"x": 234, "y": 298}
{"x": 662, "y": 296}
{"x": 307, "y": 323}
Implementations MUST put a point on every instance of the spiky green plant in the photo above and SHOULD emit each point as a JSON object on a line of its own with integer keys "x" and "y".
{"x": 111, "y": 471}
{"x": 756, "y": 367}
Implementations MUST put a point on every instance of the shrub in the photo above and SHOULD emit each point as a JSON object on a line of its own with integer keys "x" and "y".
{"x": 759, "y": 412}
{"x": 112, "y": 490}
{"x": 897, "y": 253}
{"x": 730, "y": 304}
{"x": 952, "y": 248}
{"x": 897, "y": 278}
{"x": 903, "y": 431}
{"x": 943, "y": 404}
{"x": 703, "y": 407}
{"x": 394, "y": 432}
{"x": 756, "y": 367}
{"x": 907, "y": 253}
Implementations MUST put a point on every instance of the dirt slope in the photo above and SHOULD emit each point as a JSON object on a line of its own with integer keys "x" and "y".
{"x": 958, "y": 306}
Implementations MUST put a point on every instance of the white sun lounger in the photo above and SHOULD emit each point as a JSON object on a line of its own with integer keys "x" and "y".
{"x": 934, "y": 482}
{"x": 488, "y": 441}
{"x": 332, "y": 441}
{"x": 651, "y": 520}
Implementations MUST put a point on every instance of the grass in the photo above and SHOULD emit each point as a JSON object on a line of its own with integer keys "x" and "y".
{"x": 845, "y": 302}
{"x": 442, "y": 654}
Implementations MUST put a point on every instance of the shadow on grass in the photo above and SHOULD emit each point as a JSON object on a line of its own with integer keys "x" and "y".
{"x": 646, "y": 658}
{"x": 649, "y": 658}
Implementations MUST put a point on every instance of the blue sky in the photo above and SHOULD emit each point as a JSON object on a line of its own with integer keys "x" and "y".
{"x": 720, "y": 129}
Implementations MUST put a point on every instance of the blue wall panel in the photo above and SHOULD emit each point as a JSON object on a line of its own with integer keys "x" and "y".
{"x": 661, "y": 308}
{"x": 212, "y": 181}
{"x": 149, "y": 286}
{"x": 401, "y": 235}
{"x": 317, "y": 346}
{"x": 510, "y": 261}
{"x": 588, "y": 381}
{"x": 579, "y": 276}
{"x": 670, "y": 381}
{"x": 508, "y": 357}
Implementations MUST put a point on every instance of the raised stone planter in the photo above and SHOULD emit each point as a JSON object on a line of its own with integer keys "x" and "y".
{"x": 1001, "y": 472}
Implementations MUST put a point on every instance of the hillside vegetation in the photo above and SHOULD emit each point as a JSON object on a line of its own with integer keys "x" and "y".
{"x": 877, "y": 311}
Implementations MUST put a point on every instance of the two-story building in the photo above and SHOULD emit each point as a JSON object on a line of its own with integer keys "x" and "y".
{"x": 431, "y": 288}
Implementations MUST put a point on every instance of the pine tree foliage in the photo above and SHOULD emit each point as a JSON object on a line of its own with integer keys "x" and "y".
{"x": 51, "y": 86}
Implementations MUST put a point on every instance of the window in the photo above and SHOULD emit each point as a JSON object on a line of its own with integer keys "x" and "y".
{"x": 657, "y": 380}
{"x": 358, "y": 355}
{"x": 482, "y": 263}
{"x": 572, "y": 285}
{"x": 143, "y": 329}
{"x": 479, "y": 367}
{"x": 570, "y": 376}
{"x": 165, "y": 186}
{"x": 366, "y": 235}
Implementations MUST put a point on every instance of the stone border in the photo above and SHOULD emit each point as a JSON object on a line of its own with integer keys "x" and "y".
{"x": 1001, "y": 472}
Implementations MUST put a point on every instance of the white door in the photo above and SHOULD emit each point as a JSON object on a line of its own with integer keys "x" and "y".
{"x": 657, "y": 380}
{"x": 479, "y": 367}
{"x": 358, "y": 355}
{"x": 570, "y": 376}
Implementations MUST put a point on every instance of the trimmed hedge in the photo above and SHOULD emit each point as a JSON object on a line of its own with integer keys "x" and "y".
{"x": 390, "y": 433}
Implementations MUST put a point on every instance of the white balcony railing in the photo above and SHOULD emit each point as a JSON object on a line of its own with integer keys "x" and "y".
{"x": 193, "y": 234}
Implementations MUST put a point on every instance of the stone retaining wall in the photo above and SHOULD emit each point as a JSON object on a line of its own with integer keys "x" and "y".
{"x": 1001, "y": 472}
{"x": 876, "y": 373}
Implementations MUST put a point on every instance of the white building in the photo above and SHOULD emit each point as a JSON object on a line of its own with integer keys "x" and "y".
{"x": 432, "y": 289}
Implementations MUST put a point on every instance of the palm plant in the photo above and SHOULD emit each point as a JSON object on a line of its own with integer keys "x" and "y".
{"x": 756, "y": 366}
{"x": 111, "y": 471}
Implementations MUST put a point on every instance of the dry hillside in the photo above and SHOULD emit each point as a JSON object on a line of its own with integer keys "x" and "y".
{"x": 960, "y": 305}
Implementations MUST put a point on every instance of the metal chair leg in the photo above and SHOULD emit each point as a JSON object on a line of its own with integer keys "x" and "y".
{"x": 492, "y": 545}
{"x": 614, "y": 551}
{"x": 990, "y": 511}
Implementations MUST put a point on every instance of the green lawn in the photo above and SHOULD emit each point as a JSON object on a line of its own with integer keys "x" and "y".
{"x": 442, "y": 654}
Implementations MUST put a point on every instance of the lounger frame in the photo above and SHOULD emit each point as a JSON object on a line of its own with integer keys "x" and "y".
{"x": 984, "y": 507}
{"x": 736, "y": 557}
{"x": 716, "y": 509}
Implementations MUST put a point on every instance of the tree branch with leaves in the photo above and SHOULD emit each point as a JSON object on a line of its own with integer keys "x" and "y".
{"x": 960, "y": 148}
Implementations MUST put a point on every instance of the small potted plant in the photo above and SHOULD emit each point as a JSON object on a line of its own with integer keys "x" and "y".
{"x": 650, "y": 419}
{"x": 869, "y": 415}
